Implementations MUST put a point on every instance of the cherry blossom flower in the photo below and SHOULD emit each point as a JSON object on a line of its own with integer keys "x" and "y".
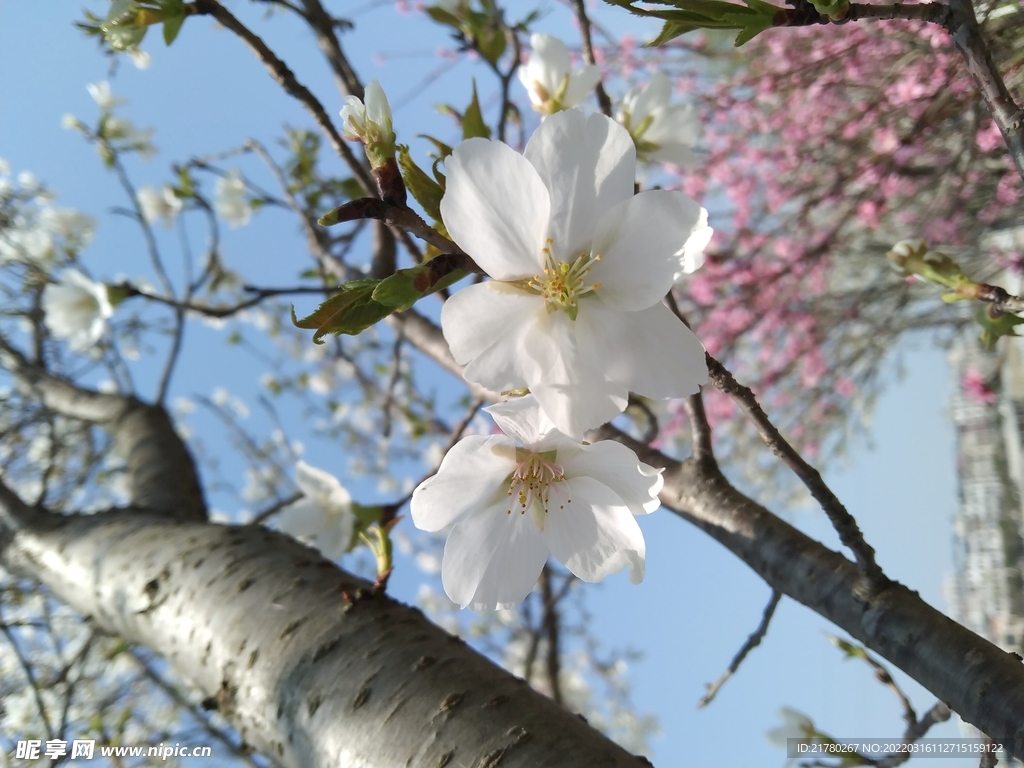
{"x": 363, "y": 122}
{"x": 160, "y": 204}
{"x": 549, "y": 79}
{"x": 230, "y": 199}
{"x": 323, "y": 517}
{"x": 103, "y": 96}
{"x": 580, "y": 265}
{"x": 76, "y": 308}
{"x": 513, "y": 499}
{"x": 795, "y": 725}
{"x": 663, "y": 132}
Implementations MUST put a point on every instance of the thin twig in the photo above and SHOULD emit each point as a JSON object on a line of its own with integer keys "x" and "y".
{"x": 843, "y": 522}
{"x": 588, "y": 54}
{"x": 752, "y": 642}
{"x": 287, "y": 80}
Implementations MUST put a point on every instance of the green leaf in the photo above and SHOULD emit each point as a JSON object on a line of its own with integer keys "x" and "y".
{"x": 684, "y": 16}
{"x": 345, "y": 312}
{"x": 473, "y": 125}
{"x": 443, "y": 150}
{"x": 172, "y": 26}
{"x": 491, "y": 43}
{"x": 441, "y": 16}
{"x": 424, "y": 189}
{"x": 362, "y": 303}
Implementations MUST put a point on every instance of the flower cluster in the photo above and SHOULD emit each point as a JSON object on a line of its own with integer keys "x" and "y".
{"x": 573, "y": 313}
{"x": 77, "y": 309}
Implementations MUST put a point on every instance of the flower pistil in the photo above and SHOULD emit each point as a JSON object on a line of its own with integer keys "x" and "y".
{"x": 563, "y": 283}
{"x": 533, "y": 479}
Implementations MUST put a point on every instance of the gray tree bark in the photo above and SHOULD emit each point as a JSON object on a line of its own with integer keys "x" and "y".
{"x": 310, "y": 665}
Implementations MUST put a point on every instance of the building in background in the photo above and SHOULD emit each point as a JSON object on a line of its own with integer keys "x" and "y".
{"x": 986, "y": 592}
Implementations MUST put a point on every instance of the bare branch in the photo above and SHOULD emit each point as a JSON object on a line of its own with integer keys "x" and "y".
{"x": 588, "y": 54}
{"x": 752, "y": 642}
{"x": 844, "y": 523}
{"x": 162, "y": 475}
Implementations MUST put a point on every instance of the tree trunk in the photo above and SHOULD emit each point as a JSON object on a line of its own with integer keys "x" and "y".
{"x": 310, "y": 667}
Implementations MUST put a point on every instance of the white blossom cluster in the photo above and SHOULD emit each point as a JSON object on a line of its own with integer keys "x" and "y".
{"x": 572, "y": 315}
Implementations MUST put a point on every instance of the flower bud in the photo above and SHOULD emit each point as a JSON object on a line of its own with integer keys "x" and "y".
{"x": 370, "y": 123}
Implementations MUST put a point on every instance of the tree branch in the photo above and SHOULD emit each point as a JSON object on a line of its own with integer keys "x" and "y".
{"x": 844, "y": 523}
{"x": 752, "y": 642}
{"x": 980, "y": 682}
{"x": 284, "y": 77}
{"x": 588, "y": 54}
{"x": 310, "y": 668}
{"x": 162, "y": 475}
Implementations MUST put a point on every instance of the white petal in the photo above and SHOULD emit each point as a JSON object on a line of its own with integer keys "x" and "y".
{"x": 479, "y": 316}
{"x": 548, "y": 63}
{"x": 493, "y": 559}
{"x": 677, "y": 124}
{"x": 581, "y": 83}
{"x": 304, "y": 518}
{"x": 316, "y": 483}
{"x": 522, "y": 419}
{"x": 655, "y": 94}
{"x": 673, "y": 154}
{"x": 693, "y": 253}
{"x": 649, "y": 352}
{"x": 576, "y": 408}
{"x": 640, "y": 243}
{"x": 334, "y": 540}
{"x": 617, "y": 467}
{"x": 571, "y": 387}
{"x": 377, "y": 109}
{"x": 588, "y": 165}
{"x": 496, "y": 208}
{"x": 470, "y": 479}
{"x": 595, "y": 535}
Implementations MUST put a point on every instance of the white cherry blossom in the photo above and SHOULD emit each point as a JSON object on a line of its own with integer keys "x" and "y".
{"x": 369, "y": 121}
{"x": 103, "y": 96}
{"x": 795, "y": 725}
{"x": 580, "y": 265}
{"x": 76, "y": 308}
{"x": 663, "y": 132}
{"x": 549, "y": 79}
{"x": 323, "y": 517}
{"x": 230, "y": 199}
{"x": 160, "y": 204}
{"x": 515, "y": 499}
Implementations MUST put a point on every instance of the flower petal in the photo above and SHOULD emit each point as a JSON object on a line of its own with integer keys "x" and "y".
{"x": 522, "y": 419}
{"x": 588, "y": 165}
{"x": 641, "y": 242}
{"x": 492, "y": 560}
{"x": 548, "y": 63}
{"x": 469, "y": 479}
{"x": 318, "y": 484}
{"x": 617, "y": 467}
{"x": 649, "y": 352}
{"x": 676, "y": 124}
{"x": 571, "y": 387}
{"x": 581, "y": 83}
{"x": 480, "y": 316}
{"x": 304, "y": 518}
{"x": 496, "y": 208}
{"x": 595, "y": 535}
{"x": 652, "y": 96}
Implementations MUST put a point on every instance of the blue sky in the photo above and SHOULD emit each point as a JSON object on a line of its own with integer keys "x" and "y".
{"x": 698, "y": 602}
